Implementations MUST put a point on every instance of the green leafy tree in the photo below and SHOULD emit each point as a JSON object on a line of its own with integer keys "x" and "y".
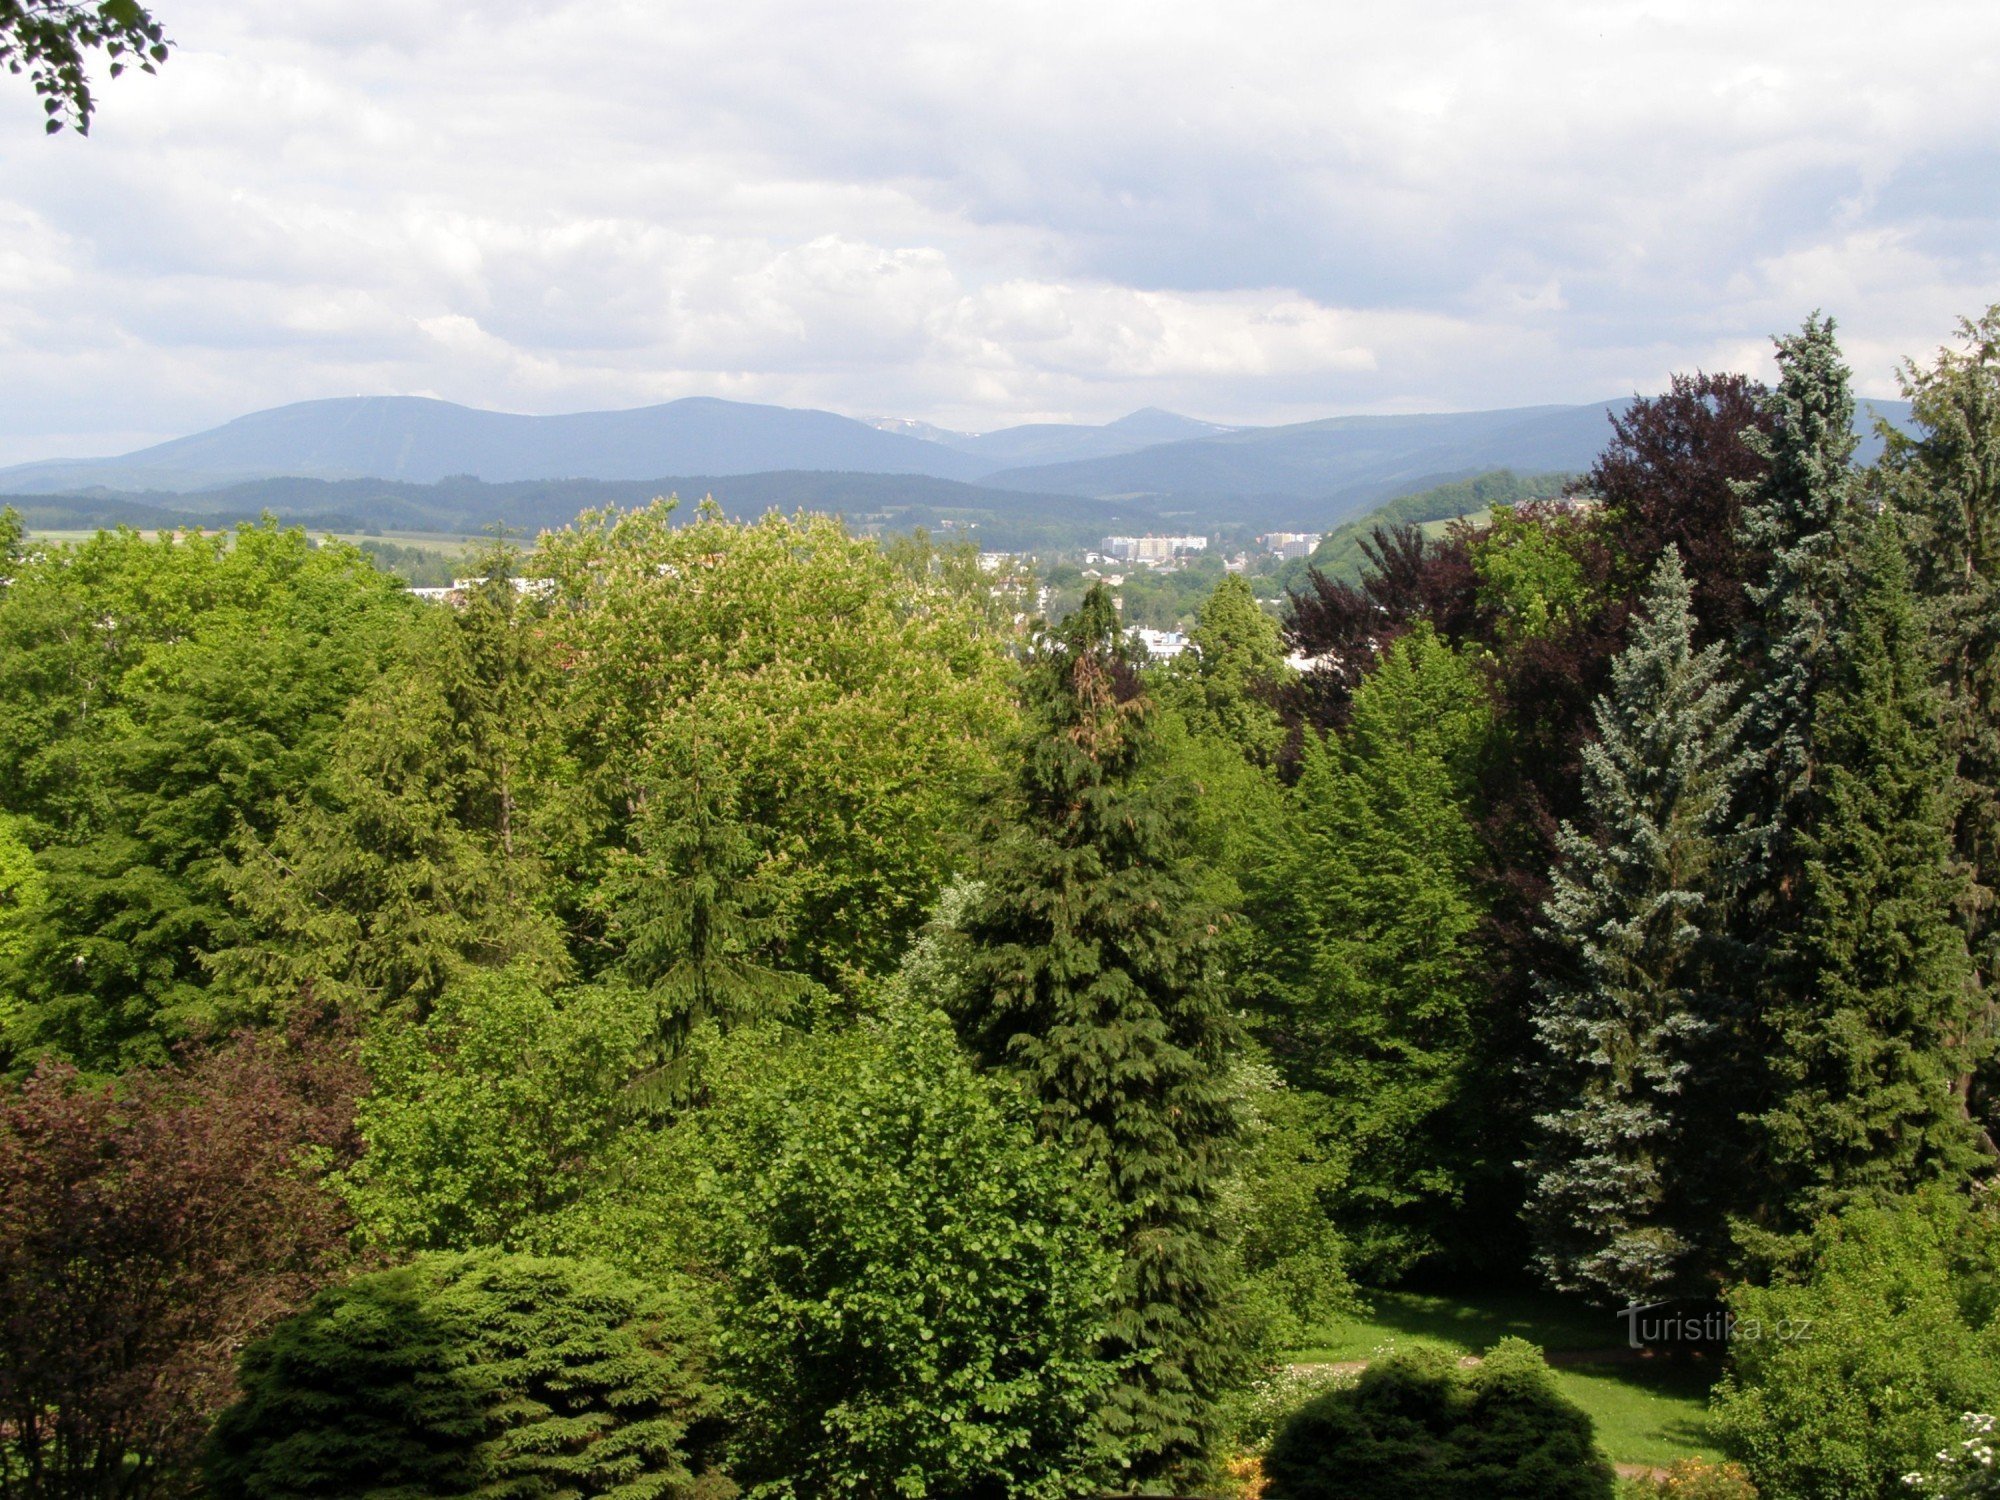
{"x": 51, "y": 40}
{"x": 1530, "y": 579}
{"x": 1377, "y": 995}
{"x": 917, "y": 1285}
{"x": 1291, "y": 1172}
{"x": 1638, "y": 911}
{"x": 156, "y": 697}
{"x": 1852, "y": 1368}
{"x": 1876, "y": 1031}
{"x": 1091, "y": 983}
{"x": 492, "y": 1114}
{"x": 856, "y": 707}
{"x": 23, "y": 892}
{"x": 483, "y": 1374}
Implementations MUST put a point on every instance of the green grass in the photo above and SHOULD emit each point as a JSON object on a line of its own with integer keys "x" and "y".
{"x": 1649, "y": 1412}
{"x": 1462, "y": 1325}
{"x": 1646, "y": 1413}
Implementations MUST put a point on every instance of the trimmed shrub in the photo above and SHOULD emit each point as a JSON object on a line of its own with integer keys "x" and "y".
{"x": 1418, "y": 1427}
{"x": 487, "y": 1373}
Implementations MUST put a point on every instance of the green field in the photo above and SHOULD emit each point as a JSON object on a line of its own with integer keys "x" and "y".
{"x": 1648, "y": 1412}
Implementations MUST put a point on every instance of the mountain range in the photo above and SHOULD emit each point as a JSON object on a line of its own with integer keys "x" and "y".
{"x": 1151, "y": 465}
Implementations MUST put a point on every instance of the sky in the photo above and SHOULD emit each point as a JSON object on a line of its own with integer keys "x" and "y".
{"x": 981, "y": 214}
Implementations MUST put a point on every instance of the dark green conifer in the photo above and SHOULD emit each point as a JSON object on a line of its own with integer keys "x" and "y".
{"x": 1874, "y": 1031}
{"x": 1092, "y": 981}
{"x": 1614, "y": 1175}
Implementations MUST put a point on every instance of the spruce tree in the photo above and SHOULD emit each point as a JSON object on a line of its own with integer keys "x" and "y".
{"x": 1792, "y": 516}
{"x": 701, "y": 912}
{"x": 1613, "y": 1195}
{"x": 1092, "y": 981}
{"x": 1945, "y": 483}
{"x": 1874, "y": 1031}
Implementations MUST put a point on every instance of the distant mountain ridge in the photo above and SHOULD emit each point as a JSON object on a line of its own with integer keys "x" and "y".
{"x": 1182, "y": 471}
{"x": 421, "y": 441}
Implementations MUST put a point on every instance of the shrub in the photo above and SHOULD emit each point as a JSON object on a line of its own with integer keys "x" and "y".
{"x": 1418, "y": 1427}
{"x": 1853, "y": 1370}
{"x": 488, "y": 1373}
{"x": 1692, "y": 1479}
{"x": 918, "y": 1284}
{"x": 1965, "y": 1470}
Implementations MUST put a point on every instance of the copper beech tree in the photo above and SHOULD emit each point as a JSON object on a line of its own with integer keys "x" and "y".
{"x": 148, "y": 1229}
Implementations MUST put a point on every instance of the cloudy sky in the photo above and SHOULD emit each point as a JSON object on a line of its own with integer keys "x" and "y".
{"x": 981, "y": 213}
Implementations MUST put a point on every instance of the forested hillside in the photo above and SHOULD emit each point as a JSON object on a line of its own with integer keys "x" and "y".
{"x": 726, "y": 1005}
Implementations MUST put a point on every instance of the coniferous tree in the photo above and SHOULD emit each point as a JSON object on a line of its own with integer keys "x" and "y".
{"x": 1635, "y": 911}
{"x": 1091, "y": 980}
{"x": 701, "y": 913}
{"x": 1792, "y": 516}
{"x": 1945, "y": 482}
{"x": 1873, "y": 1033}
{"x": 1377, "y": 1004}
{"x": 421, "y": 851}
{"x": 1228, "y": 684}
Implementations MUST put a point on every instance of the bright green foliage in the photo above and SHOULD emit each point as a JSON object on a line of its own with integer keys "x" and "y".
{"x": 1618, "y": 1173}
{"x": 1872, "y": 1033}
{"x": 487, "y": 1374}
{"x": 1418, "y": 1427}
{"x": 855, "y": 708}
{"x": 1946, "y": 484}
{"x": 421, "y": 851}
{"x": 155, "y": 697}
{"x": 1794, "y": 514}
{"x": 917, "y": 1286}
{"x": 1852, "y": 1371}
{"x": 1292, "y": 1169}
{"x": 13, "y": 536}
{"x": 491, "y": 1114}
{"x": 1529, "y": 577}
{"x": 23, "y": 892}
{"x": 1091, "y": 983}
{"x": 1962, "y": 1470}
{"x": 1226, "y": 683}
{"x": 1373, "y": 915}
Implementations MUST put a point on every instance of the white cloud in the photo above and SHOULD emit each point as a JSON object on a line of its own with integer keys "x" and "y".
{"x": 1262, "y": 210}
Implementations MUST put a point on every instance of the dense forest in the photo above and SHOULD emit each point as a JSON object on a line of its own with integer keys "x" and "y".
{"x": 730, "y": 1007}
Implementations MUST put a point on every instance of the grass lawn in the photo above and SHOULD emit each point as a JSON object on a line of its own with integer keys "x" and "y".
{"x": 1463, "y": 1325}
{"x": 1650, "y": 1412}
{"x": 1645, "y": 1414}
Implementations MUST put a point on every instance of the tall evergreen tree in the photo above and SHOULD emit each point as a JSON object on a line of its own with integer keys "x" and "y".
{"x": 422, "y": 850}
{"x": 1614, "y": 1200}
{"x": 1874, "y": 1030}
{"x": 701, "y": 912}
{"x": 1228, "y": 684}
{"x": 1378, "y": 1005}
{"x": 1792, "y": 516}
{"x": 1092, "y": 981}
{"x": 1945, "y": 482}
